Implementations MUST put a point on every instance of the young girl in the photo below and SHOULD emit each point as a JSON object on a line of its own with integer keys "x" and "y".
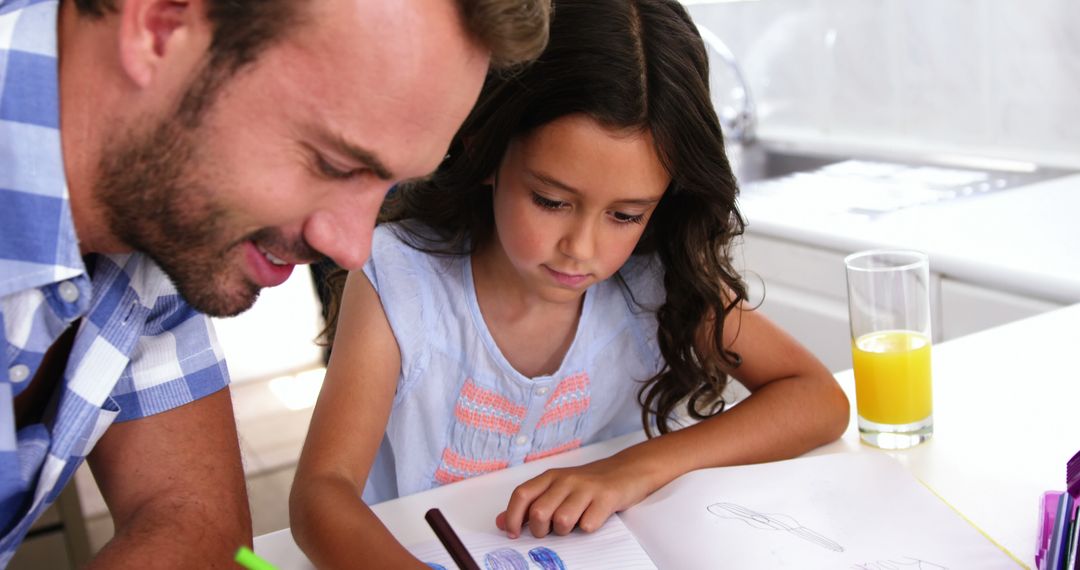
{"x": 562, "y": 279}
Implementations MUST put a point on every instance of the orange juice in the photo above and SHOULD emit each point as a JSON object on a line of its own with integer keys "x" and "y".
{"x": 892, "y": 377}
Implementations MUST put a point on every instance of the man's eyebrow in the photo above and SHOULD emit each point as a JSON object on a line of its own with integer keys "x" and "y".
{"x": 361, "y": 155}
{"x": 556, "y": 183}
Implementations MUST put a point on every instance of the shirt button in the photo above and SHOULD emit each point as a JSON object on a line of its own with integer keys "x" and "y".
{"x": 521, "y": 440}
{"x": 19, "y": 372}
{"x": 68, "y": 291}
{"x": 541, "y": 391}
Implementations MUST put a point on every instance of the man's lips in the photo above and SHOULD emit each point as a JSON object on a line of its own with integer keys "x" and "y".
{"x": 267, "y": 269}
{"x": 271, "y": 257}
{"x": 300, "y": 255}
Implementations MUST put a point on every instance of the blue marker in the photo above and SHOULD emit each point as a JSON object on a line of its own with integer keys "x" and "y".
{"x": 505, "y": 559}
{"x": 546, "y": 558}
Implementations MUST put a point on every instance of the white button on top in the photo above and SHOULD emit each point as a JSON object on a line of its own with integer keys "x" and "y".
{"x": 521, "y": 440}
{"x": 68, "y": 291}
{"x": 541, "y": 391}
{"x": 19, "y": 372}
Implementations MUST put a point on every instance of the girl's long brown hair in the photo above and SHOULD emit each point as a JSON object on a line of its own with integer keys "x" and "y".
{"x": 628, "y": 64}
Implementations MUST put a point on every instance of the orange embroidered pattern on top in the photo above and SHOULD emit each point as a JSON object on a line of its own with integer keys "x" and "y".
{"x": 553, "y": 451}
{"x": 486, "y": 410}
{"x": 455, "y": 467}
{"x": 570, "y": 399}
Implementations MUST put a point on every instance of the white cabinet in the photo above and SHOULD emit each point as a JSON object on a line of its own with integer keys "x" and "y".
{"x": 819, "y": 323}
{"x": 804, "y": 290}
{"x": 967, "y": 308}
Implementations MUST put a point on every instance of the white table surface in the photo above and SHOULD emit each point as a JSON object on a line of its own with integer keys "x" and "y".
{"x": 1006, "y": 421}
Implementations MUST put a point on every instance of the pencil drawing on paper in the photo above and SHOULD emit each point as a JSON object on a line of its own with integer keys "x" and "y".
{"x": 763, "y": 521}
{"x": 905, "y": 563}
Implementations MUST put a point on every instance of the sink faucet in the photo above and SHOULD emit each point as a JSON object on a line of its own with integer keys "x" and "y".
{"x": 738, "y": 117}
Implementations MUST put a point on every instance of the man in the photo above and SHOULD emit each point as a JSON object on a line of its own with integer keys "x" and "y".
{"x": 165, "y": 158}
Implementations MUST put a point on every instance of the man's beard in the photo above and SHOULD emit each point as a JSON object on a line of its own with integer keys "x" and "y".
{"x": 154, "y": 201}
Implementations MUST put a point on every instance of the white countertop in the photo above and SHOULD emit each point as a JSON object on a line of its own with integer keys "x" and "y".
{"x": 1022, "y": 240}
{"x": 1005, "y": 410}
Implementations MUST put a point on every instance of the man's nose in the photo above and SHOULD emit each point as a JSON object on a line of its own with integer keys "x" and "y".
{"x": 342, "y": 230}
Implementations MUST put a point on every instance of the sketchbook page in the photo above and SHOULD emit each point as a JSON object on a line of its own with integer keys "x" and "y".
{"x": 850, "y": 510}
{"x": 610, "y": 547}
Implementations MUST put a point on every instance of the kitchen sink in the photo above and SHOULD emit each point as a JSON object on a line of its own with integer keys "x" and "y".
{"x": 758, "y": 162}
{"x": 873, "y": 185}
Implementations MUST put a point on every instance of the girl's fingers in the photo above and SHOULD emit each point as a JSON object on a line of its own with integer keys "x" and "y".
{"x": 557, "y": 501}
{"x": 520, "y": 500}
{"x": 597, "y": 513}
{"x": 568, "y": 514}
{"x": 543, "y": 508}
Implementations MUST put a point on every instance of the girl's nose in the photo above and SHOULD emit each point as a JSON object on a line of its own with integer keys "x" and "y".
{"x": 579, "y": 241}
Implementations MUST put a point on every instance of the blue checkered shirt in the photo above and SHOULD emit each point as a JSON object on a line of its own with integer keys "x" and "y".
{"x": 139, "y": 348}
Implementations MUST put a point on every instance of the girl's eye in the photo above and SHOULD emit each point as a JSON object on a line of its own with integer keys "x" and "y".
{"x": 330, "y": 171}
{"x": 546, "y": 203}
{"x": 628, "y": 218}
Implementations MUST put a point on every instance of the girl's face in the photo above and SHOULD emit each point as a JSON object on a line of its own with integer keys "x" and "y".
{"x": 571, "y": 201}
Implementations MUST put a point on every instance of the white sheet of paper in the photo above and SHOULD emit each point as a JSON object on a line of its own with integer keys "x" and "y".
{"x": 611, "y": 547}
{"x": 859, "y": 511}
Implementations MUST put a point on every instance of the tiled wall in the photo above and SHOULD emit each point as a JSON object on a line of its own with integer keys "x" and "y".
{"x": 993, "y": 77}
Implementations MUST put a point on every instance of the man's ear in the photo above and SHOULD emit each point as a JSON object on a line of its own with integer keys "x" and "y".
{"x": 153, "y": 30}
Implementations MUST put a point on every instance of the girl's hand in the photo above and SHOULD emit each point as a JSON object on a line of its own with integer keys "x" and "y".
{"x": 584, "y": 496}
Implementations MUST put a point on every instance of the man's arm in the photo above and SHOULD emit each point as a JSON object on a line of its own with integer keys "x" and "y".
{"x": 174, "y": 484}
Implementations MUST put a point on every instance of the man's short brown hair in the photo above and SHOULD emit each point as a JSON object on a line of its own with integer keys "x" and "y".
{"x": 514, "y": 31}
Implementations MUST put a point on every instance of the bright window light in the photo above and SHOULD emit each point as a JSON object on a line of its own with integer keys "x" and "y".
{"x": 299, "y": 391}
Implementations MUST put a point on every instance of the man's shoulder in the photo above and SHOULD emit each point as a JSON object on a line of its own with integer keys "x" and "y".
{"x": 135, "y": 278}
{"x": 175, "y": 357}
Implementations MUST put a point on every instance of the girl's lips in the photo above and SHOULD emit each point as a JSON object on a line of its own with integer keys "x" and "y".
{"x": 566, "y": 279}
{"x": 264, "y": 272}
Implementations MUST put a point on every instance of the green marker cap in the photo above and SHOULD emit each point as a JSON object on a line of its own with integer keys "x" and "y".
{"x": 248, "y": 559}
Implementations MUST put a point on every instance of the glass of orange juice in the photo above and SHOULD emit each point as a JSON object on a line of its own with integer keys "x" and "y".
{"x": 889, "y": 310}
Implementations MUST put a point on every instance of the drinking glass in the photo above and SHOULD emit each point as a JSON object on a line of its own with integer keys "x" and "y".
{"x": 889, "y": 310}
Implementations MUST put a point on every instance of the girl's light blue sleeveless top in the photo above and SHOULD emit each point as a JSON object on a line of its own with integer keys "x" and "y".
{"x": 462, "y": 410}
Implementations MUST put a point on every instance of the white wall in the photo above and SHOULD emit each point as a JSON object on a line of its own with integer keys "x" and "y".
{"x": 277, "y": 335}
{"x": 993, "y": 77}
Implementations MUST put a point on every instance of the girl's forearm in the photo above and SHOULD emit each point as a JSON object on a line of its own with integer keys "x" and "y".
{"x": 336, "y": 529}
{"x": 782, "y": 419}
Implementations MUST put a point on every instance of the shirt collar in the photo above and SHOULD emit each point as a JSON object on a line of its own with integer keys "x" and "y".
{"x": 38, "y": 244}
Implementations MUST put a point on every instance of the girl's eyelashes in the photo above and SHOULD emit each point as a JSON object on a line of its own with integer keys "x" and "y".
{"x": 619, "y": 217}
{"x": 622, "y": 218}
{"x": 328, "y": 170}
{"x": 546, "y": 203}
